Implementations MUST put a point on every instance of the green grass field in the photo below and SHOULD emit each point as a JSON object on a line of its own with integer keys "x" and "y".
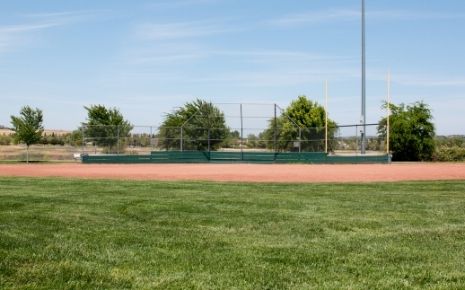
{"x": 85, "y": 234}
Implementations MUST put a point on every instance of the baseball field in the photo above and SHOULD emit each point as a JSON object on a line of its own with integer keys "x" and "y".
{"x": 74, "y": 226}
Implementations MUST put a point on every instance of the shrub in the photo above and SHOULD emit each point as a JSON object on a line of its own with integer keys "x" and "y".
{"x": 5, "y": 140}
{"x": 450, "y": 154}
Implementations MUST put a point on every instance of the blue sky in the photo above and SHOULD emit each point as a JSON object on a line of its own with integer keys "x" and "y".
{"x": 147, "y": 57}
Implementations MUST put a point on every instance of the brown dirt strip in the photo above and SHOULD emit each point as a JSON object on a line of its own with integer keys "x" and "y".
{"x": 292, "y": 173}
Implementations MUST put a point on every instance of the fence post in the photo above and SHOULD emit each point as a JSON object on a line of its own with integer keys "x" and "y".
{"x": 274, "y": 130}
{"x": 82, "y": 140}
{"x": 117, "y": 140}
{"x": 182, "y": 140}
{"x": 208, "y": 140}
{"x": 150, "y": 138}
{"x": 242, "y": 134}
{"x": 300, "y": 140}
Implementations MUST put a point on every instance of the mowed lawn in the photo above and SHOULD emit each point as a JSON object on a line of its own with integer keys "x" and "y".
{"x": 87, "y": 234}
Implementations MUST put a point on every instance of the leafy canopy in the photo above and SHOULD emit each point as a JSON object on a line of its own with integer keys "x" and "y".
{"x": 105, "y": 126}
{"x": 28, "y": 126}
{"x": 201, "y": 125}
{"x": 411, "y": 132}
{"x": 302, "y": 119}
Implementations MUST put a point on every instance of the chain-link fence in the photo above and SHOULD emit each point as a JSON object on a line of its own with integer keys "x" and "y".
{"x": 243, "y": 127}
{"x": 144, "y": 139}
{"x": 348, "y": 140}
{"x": 342, "y": 140}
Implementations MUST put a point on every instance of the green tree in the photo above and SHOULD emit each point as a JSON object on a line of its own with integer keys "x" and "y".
{"x": 302, "y": 119}
{"x": 74, "y": 138}
{"x": 28, "y": 127}
{"x": 411, "y": 132}
{"x": 201, "y": 125}
{"x": 255, "y": 142}
{"x": 106, "y": 127}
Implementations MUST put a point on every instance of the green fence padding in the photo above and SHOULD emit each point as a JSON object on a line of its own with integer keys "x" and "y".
{"x": 259, "y": 156}
{"x": 304, "y": 157}
{"x": 235, "y": 157}
{"x": 116, "y": 159}
{"x": 358, "y": 159}
{"x": 226, "y": 156}
{"x": 179, "y": 156}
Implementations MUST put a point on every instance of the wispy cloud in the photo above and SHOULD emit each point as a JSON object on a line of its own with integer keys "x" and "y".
{"x": 180, "y": 30}
{"x": 174, "y": 52}
{"x": 344, "y": 14}
{"x": 181, "y": 3}
{"x": 316, "y": 17}
{"x": 20, "y": 28}
{"x": 274, "y": 77}
{"x": 279, "y": 56}
{"x": 245, "y": 76}
{"x": 15, "y": 34}
{"x": 147, "y": 54}
{"x": 65, "y": 17}
{"x": 12, "y": 35}
{"x": 430, "y": 81}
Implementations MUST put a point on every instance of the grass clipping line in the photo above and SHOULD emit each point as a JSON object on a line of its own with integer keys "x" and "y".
{"x": 88, "y": 234}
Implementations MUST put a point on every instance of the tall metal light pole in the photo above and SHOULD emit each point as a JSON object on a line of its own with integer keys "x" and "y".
{"x": 363, "y": 116}
{"x": 388, "y": 112}
{"x": 326, "y": 117}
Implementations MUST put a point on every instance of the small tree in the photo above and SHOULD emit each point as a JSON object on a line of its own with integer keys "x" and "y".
{"x": 200, "y": 124}
{"x": 28, "y": 127}
{"x": 411, "y": 132}
{"x": 106, "y": 127}
{"x": 302, "y": 118}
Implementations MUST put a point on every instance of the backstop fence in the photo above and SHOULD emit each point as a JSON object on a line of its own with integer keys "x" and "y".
{"x": 345, "y": 139}
{"x": 239, "y": 127}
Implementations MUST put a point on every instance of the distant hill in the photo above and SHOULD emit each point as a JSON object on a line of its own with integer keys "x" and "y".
{"x": 5, "y": 132}
{"x": 48, "y": 132}
{"x": 450, "y": 136}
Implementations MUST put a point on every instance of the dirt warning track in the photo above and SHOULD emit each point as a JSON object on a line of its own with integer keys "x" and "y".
{"x": 293, "y": 173}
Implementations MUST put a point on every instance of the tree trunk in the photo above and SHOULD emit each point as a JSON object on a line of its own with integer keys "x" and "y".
{"x": 27, "y": 154}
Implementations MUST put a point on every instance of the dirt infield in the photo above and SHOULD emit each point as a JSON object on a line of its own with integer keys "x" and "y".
{"x": 244, "y": 172}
